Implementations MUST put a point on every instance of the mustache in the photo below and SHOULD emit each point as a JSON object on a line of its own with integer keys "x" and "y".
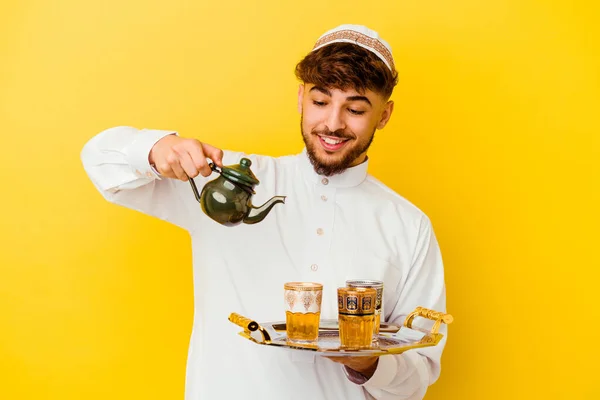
{"x": 338, "y": 133}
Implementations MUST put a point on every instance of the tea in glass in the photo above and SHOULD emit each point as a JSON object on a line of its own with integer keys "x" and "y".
{"x": 303, "y": 311}
{"x": 378, "y": 286}
{"x": 356, "y": 316}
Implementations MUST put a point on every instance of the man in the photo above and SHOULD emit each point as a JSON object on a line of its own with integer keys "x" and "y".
{"x": 337, "y": 223}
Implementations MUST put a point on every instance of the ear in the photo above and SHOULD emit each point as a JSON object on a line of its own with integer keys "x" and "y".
{"x": 300, "y": 97}
{"x": 386, "y": 114}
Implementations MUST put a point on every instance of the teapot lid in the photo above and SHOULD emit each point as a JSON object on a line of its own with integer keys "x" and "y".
{"x": 240, "y": 173}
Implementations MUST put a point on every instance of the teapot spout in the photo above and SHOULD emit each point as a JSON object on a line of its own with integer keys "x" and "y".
{"x": 257, "y": 214}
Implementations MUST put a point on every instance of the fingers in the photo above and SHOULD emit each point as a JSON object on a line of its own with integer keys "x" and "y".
{"x": 181, "y": 158}
{"x": 198, "y": 157}
{"x": 213, "y": 153}
{"x": 174, "y": 161}
{"x": 360, "y": 364}
{"x": 186, "y": 162}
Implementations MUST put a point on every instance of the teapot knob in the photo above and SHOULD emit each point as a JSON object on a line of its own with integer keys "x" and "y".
{"x": 246, "y": 163}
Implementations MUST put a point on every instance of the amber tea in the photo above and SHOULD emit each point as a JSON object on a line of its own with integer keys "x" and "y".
{"x": 356, "y": 331}
{"x": 303, "y": 311}
{"x": 356, "y": 316}
{"x": 302, "y": 326}
{"x": 377, "y": 285}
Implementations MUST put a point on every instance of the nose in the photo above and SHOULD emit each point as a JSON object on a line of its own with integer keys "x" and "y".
{"x": 335, "y": 121}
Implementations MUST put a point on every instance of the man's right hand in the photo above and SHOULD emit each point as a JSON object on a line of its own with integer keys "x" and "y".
{"x": 180, "y": 158}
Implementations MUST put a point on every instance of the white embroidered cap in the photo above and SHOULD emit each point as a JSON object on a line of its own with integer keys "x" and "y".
{"x": 361, "y": 36}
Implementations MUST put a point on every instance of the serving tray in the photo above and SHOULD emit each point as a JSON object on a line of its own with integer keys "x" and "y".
{"x": 392, "y": 339}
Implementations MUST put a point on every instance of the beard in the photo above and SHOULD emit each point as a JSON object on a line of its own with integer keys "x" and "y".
{"x": 333, "y": 167}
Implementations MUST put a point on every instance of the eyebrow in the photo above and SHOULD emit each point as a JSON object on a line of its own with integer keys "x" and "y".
{"x": 359, "y": 98}
{"x": 320, "y": 89}
{"x": 349, "y": 98}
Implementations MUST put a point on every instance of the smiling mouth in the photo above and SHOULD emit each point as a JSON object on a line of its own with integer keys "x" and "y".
{"x": 332, "y": 143}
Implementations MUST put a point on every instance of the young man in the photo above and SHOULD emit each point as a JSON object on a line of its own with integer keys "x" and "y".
{"x": 337, "y": 223}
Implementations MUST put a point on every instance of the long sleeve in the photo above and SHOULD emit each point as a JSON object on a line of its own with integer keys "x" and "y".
{"x": 116, "y": 161}
{"x": 407, "y": 376}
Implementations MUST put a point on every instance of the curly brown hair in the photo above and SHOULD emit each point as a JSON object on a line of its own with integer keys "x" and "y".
{"x": 347, "y": 66}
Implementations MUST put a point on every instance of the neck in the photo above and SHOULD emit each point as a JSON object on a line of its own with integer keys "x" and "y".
{"x": 359, "y": 160}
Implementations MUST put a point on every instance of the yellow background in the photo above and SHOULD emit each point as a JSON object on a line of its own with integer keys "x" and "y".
{"x": 495, "y": 136}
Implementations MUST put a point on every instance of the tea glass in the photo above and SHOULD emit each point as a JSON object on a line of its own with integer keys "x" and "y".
{"x": 378, "y": 286}
{"x": 303, "y": 311}
{"x": 356, "y": 317}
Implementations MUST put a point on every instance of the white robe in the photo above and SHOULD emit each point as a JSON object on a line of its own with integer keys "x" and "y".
{"x": 347, "y": 226}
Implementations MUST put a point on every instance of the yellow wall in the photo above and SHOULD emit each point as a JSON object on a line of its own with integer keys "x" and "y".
{"x": 495, "y": 136}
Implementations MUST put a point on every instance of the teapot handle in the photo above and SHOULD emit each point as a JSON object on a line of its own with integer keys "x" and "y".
{"x": 193, "y": 184}
{"x": 194, "y": 189}
{"x": 214, "y": 167}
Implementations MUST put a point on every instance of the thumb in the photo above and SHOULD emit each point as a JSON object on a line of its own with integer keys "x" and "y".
{"x": 213, "y": 153}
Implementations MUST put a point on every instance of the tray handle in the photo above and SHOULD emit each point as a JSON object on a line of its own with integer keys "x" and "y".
{"x": 249, "y": 326}
{"x": 436, "y": 316}
{"x": 244, "y": 322}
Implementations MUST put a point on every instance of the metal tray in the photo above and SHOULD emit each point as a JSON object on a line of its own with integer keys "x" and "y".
{"x": 392, "y": 339}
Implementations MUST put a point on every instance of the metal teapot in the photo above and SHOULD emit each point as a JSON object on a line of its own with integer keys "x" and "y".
{"x": 226, "y": 199}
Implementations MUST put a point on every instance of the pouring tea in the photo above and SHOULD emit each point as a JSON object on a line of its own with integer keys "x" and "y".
{"x": 227, "y": 199}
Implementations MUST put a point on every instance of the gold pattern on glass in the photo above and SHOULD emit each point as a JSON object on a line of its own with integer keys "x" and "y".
{"x": 356, "y": 315}
{"x": 303, "y": 311}
{"x": 378, "y": 286}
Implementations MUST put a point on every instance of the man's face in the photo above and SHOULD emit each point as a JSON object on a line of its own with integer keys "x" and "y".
{"x": 338, "y": 126}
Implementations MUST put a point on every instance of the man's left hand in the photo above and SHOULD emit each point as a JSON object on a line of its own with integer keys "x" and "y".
{"x": 365, "y": 365}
